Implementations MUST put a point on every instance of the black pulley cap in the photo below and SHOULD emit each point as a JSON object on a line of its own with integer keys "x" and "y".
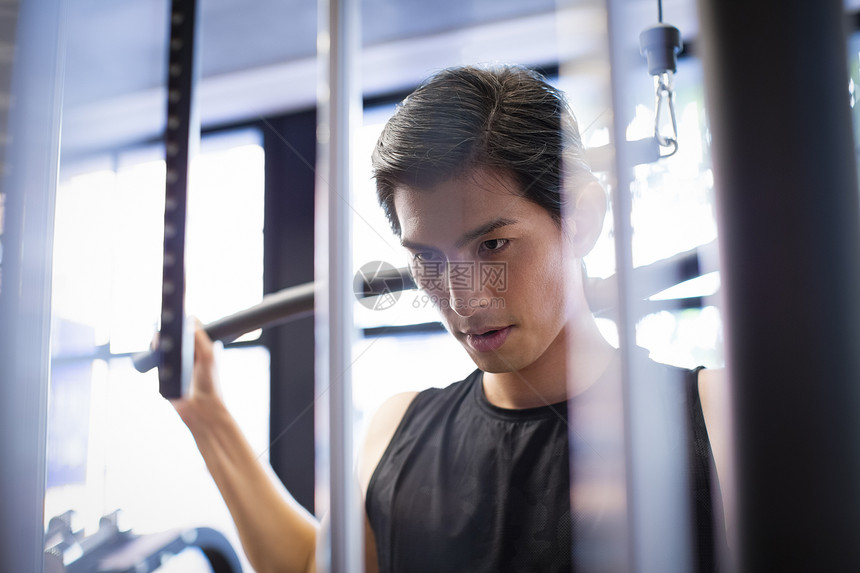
{"x": 660, "y": 44}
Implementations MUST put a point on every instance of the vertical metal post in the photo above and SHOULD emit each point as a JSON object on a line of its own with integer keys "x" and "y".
{"x": 338, "y": 46}
{"x": 29, "y": 188}
{"x": 658, "y": 511}
{"x": 621, "y": 209}
{"x": 601, "y": 532}
{"x": 777, "y": 92}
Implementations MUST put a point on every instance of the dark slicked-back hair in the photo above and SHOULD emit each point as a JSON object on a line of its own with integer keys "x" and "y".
{"x": 505, "y": 117}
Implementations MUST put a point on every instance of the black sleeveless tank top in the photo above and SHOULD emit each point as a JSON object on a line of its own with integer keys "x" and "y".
{"x": 465, "y": 486}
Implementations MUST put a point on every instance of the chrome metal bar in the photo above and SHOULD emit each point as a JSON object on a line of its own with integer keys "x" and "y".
{"x": 285, "y": 305}
{"x": 650, "y": 279}
{"x": 340, "y": 549}
{"x": 290, "y": 303}
{"x": 658, "y": 531}
{"x": 32, "y": 39}
{"x": 297, "y": 302}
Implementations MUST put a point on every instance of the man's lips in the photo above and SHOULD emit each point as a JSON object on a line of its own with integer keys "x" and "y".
{"x": 486, "y": 339}
{"x": 482, "y": 330}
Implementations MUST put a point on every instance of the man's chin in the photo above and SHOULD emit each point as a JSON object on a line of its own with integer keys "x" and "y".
{"x": 493, "y": 363}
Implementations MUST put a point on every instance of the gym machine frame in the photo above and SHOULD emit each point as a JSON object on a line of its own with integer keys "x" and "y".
{"x": 755, "y": 250}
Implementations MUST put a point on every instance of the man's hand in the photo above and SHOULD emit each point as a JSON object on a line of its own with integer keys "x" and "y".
{"x": 203, "y": 396}
{"x": 276, "y": 533}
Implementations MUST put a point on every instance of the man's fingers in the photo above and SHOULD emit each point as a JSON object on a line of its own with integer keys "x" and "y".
{"x": 153, "y": 345}
{"x": 203, "y": 347}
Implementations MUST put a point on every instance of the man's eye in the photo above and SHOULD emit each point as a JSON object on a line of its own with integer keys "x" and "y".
{"x": 494, "y": 244}
{"x": 424, "y": 256}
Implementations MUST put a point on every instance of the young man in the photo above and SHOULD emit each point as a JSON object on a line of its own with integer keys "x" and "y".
{"x": 475, "y": 476}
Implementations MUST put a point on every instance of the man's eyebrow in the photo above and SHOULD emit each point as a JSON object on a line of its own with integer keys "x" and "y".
{"x": 483, "y": 230}
{"x": 467, "y": 237}
{"x": 413, "y": 246}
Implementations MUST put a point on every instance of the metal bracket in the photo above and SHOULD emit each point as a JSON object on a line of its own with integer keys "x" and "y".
{"x": 176, "y": 342}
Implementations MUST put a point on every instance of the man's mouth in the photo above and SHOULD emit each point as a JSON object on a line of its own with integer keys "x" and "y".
{"x": 487, "y": 340}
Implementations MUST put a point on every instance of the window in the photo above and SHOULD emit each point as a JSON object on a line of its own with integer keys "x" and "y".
{"x": 673, "y": 212}
{"x": 113, "y": 442}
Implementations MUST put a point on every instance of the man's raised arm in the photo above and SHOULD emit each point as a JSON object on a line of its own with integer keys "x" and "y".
{"x": 277, "y": 534}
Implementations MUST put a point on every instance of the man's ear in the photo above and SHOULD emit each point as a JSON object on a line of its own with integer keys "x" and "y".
{"x": 587, "y": 217}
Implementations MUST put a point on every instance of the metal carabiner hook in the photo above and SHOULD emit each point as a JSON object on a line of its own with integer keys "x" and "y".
{"x": 665, "y": 98}
{"x": 660, "y": 44}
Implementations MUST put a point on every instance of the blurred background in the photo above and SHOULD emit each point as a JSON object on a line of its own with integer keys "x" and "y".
{"x": 112, "y": 441}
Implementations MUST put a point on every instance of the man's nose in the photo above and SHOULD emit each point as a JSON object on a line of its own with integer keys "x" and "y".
{"x": 465, "y": 293}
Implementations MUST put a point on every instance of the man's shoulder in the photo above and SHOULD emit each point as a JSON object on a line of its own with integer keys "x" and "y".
{"x": 390, "y": 415}
{"x": 379, "y": 433}
{"x": 453, "y": 391}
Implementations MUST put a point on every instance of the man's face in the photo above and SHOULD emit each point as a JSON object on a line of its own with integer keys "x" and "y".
{"x": 493, "y": 263}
